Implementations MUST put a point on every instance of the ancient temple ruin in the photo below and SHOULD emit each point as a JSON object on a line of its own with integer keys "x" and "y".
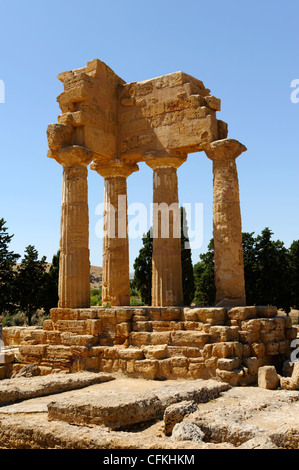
{"x": 115, "y": 125}
{"x": 112, "y": 126}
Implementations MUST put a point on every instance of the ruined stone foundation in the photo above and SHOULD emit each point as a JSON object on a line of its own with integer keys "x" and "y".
{"x": 161, "y": 343}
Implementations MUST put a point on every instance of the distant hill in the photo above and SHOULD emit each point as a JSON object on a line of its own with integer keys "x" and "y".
{"x": 95, "y": 275}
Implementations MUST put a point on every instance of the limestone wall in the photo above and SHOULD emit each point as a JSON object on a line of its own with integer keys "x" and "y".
{"x": 227, "y": 344}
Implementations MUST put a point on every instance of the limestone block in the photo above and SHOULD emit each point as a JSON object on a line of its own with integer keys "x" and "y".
{"x": 64, "y": 314}
{"x": 164, "y": 366}
{"x": 3, "y": 372}
{"x": 211, "y": 362}
{"x": 197, "y": 368}
{"x": 33, "y": 350}
{"x": 79, "y": 351}
{"x": 189, "y": 338}
{"x": 53, "y": 337}
{"x": 94, "y": 326}
{"x": 130, "y": 353}
{"x": 251, "y": 364}
{"x": 111, "y": 353}
{"x": 268, "y": 377}
{"x": 193, "y": 325}
{"x": 167, "y": 325}
{"x": 73, "y": 326}
{"x": 228, "y": 363}
{"x": 143, "y": 325}
{"x": 295, "y": 373}
{"x": 287, "y": 383}
{"x": 96, "y": 351}
{"x": 187, "y": 351}
{"x": 87, "y": 313}
{"x": 242, "y": 313}
{"x": 93, "y": 363}
{"x": 48, "y": 325}
{"x": 223, "y": 333}
{"x": 155, "y": 352}
{"x": 232, "y": 377}
{"x": 291, "y": 333}
{"x": 6, "y": 358}
{"x": 78, "y": 340}
{"x": 123, "y": 329}
{"x": 225, "y": 349}
{"x": 287, "y": 368}
{"x": 175, "y": 413}
{"x": 267, "y": 337}
{"x": 266, "y": 311}
{"x": 170, "y": 314}
{"x": 147, "y": 368}
{"x": 124, "y": 314}
{"x": 272, "y": 348}
{"x": 257, "y": 349}
{"x": 214, "y": 316}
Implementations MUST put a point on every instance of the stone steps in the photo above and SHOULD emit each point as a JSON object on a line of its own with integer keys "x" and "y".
{"x": 227, "y": 344}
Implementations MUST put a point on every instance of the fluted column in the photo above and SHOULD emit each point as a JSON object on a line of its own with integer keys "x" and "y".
{"x": 227, "y": 229}
{"x": 116, "y": 276}
{"x": 74, "y": 264}
{"x": 167, "y": 289}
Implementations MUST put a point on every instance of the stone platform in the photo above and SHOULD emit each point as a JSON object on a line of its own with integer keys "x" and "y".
{"x": 227, "y": 344}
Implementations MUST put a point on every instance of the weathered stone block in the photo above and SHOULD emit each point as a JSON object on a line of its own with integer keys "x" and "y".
{"x": 268, "y": 378}
{"x": 257, "y": 349}
{"x": 223, "y": 350}
{"x": 175, "y": 414}
{"x": 94, "y": 326}
{"x": 266, "y": 311}
{"x": 272, "y": 348}
{"x": 155, "y": 352}
{"x": 242, "y": 313}
{"x": 229, "y": 363}
{"x": 147, "y": 368}
{"x": 189, "y": 338}
{"x": 223, "y": 333}
{"x": 130, "y": 353}
{"x": 38, "y": 350}
{"x": 252, "y": 364}
{"x": 6, "y": 357}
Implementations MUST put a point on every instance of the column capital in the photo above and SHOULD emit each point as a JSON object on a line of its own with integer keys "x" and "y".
{"x": 114, "y": 168}
{"x": 225, "y": 149}
{"x": 164, "y": 159}
{"x": 74, "y": 155}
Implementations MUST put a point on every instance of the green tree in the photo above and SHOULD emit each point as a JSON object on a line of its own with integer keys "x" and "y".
{"x": 8, "y": 260}
{"x": 31, "y": 282}
{"x": 143, "y": 266}
{"x": 49, "y": 293}
{"x": 294, "y": 273}
{"x": 187, "y": 266}
{"x": 143, "y": 270}
{"x": 272, "y": 272}
{"x": 266, "y": 271}
{"x": 205, "y": 291}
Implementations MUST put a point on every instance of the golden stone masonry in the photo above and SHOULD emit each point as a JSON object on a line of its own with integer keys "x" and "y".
{"x": 114, "y": 125}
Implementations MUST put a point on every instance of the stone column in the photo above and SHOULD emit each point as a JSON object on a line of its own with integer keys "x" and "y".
{"x": 227, "y": 230}
{"x": 116, "y": 276}
{"x": 74, "y": 264}
{"x": 167, "y": 289}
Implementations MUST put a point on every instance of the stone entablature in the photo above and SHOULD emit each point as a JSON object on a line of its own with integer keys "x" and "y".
{"x": 227, "y": 344}
{"x": 114, "y": 125}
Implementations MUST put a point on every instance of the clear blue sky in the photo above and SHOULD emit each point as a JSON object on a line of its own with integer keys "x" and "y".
{"x": 246, "y": 53}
